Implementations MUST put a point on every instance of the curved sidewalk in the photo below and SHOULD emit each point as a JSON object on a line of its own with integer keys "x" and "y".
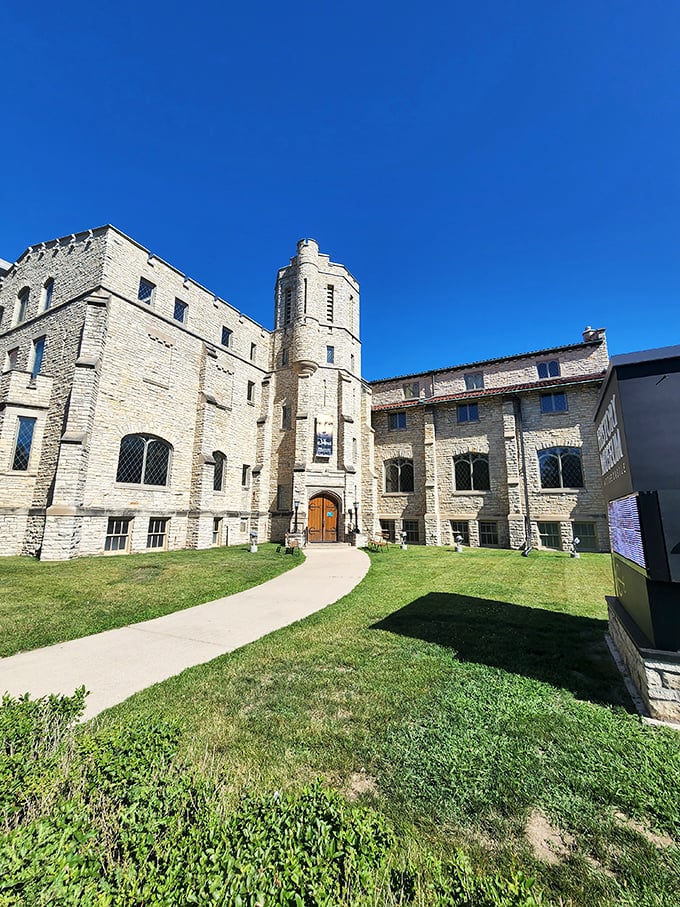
{"x": 117, "y": 663}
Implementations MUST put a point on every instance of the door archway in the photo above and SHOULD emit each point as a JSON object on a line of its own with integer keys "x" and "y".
{"x": 323, "y": 518}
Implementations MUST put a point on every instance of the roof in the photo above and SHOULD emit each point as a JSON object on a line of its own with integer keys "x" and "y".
{"x": 481, "y": 362}
{"x": 495, "y": 391}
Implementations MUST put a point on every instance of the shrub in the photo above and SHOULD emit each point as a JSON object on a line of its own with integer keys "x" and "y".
{"x": 112, "y": 817}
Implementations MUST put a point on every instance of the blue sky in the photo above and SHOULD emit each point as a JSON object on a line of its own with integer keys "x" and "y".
{"x": 496, "y": 175}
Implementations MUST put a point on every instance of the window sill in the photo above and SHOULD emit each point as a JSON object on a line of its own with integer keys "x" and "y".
{"x": 561, "y": 490}
{"x": 470, "y": 491}
{"x": 141, "y": 487}
{"x": 397, "y": 494}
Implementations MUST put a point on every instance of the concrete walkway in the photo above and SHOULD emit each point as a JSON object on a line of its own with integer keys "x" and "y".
{"x": 117, "y": 663}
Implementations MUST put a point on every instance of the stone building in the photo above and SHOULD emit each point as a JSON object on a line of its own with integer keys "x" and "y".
{"x": 495, "y": 451}
{"x": 138, "y": 411}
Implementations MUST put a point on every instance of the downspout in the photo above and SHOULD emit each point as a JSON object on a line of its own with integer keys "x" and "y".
{"x": 517, "y": 403}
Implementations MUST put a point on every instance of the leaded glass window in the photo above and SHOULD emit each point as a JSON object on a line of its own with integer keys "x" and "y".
{"x": 218, "y": 475}
{"x": 146, "y": 291}
{"x": 143, "y": 460}
{"x": 398, "y": 475}
{"x": 22, "y": 448}
{"x": 561, "y": 467}
{"x": 471, "y": 471}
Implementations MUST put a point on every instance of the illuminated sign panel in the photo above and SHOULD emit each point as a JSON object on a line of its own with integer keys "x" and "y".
{"x": 625, "y": 532}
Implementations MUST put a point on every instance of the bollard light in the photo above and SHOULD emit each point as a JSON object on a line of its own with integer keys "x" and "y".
{"x": 253, "y": 542}
{"x": 356, "y": 516}
{"x": 296, "y": 505}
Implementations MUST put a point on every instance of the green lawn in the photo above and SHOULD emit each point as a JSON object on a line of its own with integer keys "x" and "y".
{"x": 43, "y": 603}
{"x": 470, "y": 698}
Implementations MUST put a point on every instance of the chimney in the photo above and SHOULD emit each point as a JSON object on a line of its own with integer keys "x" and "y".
{"x": 592, "y": 334}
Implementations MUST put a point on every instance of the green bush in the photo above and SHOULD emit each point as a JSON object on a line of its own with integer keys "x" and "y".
{"x": 113, "y": 818}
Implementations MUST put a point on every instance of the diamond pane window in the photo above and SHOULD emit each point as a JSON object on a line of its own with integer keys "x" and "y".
{"x": 146, "y": 291}
{"x": 143, "y": 459}
{"x": 330, "y": 354}
{"x": 471, "y": 472}
{"x": 226, "y": 336}
{"x": 560, "y": 467}
{"x": 398, "y": 475}
{"x": 180, "y": 312}
{"x": 218, "y": 474}
{"x": 156, "y": 465}
{"x": 22, "y": 448}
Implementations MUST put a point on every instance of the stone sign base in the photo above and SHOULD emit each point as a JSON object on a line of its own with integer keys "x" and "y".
{"x": 654, "y": 673}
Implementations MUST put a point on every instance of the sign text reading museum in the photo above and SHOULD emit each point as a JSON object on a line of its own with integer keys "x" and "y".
{"x": 609, "y": 438}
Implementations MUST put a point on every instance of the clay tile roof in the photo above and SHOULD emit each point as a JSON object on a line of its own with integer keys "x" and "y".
{"x": 542, "y": 385}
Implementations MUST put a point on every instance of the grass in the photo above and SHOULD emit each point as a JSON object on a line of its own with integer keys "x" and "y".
{"x": 471, "y": 699}
{"x": 44, "y": 603}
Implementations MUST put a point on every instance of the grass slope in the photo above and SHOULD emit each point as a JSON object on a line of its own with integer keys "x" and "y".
{"x": 470, "y": 697}
{"x": 43, "y": 603}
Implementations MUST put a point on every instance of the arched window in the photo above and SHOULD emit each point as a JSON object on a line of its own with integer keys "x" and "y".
{"x": 46, "y": 295}
{"x": 143, "y": 460}
{"x": 398, "y": 475}
{"x": 220, "y": 464}
{"x": 471, "y": 471}
{"x": 561, "y": 467}
{"x": 22, "y": 304}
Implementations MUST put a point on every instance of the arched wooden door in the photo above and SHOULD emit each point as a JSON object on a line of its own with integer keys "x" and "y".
{"x": 322, "y": 519}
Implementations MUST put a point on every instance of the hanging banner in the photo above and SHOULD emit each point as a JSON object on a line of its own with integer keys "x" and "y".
{"x": 324, "y": 436}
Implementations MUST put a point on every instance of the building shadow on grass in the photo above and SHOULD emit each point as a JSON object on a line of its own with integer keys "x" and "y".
{"x": 564, "y": 650}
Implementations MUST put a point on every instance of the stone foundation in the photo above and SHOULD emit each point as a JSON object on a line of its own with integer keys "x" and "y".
{"x": 654, "y": 673}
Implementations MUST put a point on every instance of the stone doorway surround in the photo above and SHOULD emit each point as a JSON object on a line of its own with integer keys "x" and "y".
{"x": 323, "y": 518}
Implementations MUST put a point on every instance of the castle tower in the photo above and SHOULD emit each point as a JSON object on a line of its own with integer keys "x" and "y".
{"x": 317, "y": 417}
